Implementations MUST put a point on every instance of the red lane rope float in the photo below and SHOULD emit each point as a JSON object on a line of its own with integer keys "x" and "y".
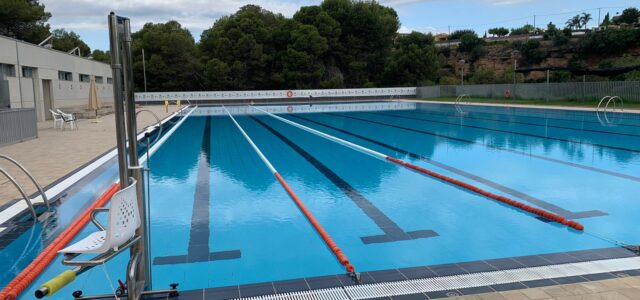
{"x": 540, "y": 212}
{"x": 316, "y": 225}
{"x": 40, "y": 263}
{"x": 325, "y": 236}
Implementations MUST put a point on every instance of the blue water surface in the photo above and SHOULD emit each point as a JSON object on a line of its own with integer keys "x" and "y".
{"x": 567, "y": 159}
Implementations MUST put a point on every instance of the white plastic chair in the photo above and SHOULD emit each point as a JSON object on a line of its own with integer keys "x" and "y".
{"x": 124, "y": 220}
{"x": 57, "y": 118}
{"x": 68, "y": 119}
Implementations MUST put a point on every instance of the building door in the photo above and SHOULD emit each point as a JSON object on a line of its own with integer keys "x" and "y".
{"x": 47, "y": 97}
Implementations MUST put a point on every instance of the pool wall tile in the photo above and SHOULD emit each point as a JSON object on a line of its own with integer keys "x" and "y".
{"x": 258, "y": 289}
{"x": 447, "y": 270}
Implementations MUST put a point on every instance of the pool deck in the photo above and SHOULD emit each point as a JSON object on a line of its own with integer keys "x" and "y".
{"x": 55, "y": 153}
{"x": 615, "y": 289}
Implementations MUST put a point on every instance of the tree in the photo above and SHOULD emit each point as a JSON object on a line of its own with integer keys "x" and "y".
{"x": 368, "y": 30}
{"x": 553, "y": 33}
{"x": 248, "y": 47}
{"x": 171, "y": 58}
{"x": 24, "y": 20}
{"x": 456, "y": 35}
{"x": 629, "y": 16}
{"x": 529, "y": 52}
{"x": 606, "y": 21}
{"x": 102, "y": 56}
{"x": 584, "y": 19}
{"x": 574, "y": 23}
{"x": 413, "y": 62}
{"x": 302, "y": 64}
{"x": 68, "y": 40}
{"x": 526, "y": 29}
{"x": 470, "y": 41}
{"x": 499, "y": 31}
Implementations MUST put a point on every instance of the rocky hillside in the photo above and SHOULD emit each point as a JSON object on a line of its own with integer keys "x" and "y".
{"x": 499, "y": 57}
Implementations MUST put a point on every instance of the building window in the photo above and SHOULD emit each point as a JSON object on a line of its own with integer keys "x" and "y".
{"x": 85, "y": 78}
{"x": 8, "y": 70}
{"x": 28, "y": 72}
{"x": 65, "y": 76}
{"x": 99, "y": 79}
{"x": 109, "y": 80}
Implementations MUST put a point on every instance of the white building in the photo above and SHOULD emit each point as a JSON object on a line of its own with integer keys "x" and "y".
{"x": 31, "y": 75}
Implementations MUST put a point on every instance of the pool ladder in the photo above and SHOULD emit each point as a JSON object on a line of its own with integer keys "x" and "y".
{"x": 603, "y": 107}
{"x": 22, "y": 191}
{"x": 457, "y": 103}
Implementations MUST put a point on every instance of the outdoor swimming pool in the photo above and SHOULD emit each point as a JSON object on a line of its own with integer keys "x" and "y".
{"x": 219, "y": 217}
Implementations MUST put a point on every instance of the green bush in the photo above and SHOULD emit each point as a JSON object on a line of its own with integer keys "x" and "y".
{"x": 611, "y": 41}
{"x": 529, "y": 53}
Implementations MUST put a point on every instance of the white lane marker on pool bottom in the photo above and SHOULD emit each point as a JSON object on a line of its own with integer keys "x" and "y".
{"x": 448, "y": 283}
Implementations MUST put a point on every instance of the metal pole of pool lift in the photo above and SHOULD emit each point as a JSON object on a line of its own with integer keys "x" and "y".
{"x": 135, "y": 170}
{"x": 118, "y": 105}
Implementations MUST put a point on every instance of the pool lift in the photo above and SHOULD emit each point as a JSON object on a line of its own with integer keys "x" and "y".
{"x": 127, "y": 211}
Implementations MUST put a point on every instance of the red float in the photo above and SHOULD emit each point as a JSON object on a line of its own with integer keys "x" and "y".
{"x": 33, "y": 270}
{"x": 542, "y": 213}
{"x": 289, "y": 94}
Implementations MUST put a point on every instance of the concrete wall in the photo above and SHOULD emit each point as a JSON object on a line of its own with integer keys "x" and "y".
{"x": 27, "y": 92}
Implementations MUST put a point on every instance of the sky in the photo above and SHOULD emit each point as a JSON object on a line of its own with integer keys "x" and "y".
{"x": 88, "y": 18}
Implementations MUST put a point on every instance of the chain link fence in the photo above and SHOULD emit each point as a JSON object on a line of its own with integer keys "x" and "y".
{"x": 581, "y": 91}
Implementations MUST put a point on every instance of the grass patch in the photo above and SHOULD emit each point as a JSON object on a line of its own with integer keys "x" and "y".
{"x": 570, "y": 103}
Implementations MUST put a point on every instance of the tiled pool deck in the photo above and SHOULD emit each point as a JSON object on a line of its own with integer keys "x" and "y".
{"x": 56, "y": 153}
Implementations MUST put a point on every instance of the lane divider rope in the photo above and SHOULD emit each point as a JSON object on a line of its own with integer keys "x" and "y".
{"x": 342, "y": 258}
{"x": 48, "y": 254}
{"x": 533, "y": 210}
{"x": 40, "y": 263}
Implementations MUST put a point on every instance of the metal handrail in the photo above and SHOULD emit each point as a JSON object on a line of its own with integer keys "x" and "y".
{"x": 605, "y": 98}
{"x": 158, "y": 123}
{"x": 614, "y": 98}
{"x": 45, "y": 199}
{"x": 24, "y": 195}
{"x": 459, "y": 98}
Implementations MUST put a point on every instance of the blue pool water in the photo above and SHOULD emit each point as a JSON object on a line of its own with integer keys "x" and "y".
{"x": 219, "y": 217}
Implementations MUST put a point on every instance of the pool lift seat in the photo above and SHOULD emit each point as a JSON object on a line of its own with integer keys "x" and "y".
{"x": 124, "y": 220}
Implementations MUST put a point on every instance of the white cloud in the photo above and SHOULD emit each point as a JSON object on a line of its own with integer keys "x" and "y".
{"x": 193, "y": 14}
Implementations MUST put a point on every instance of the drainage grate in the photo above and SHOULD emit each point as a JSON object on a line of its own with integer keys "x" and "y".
{"x": 446, "y": 283}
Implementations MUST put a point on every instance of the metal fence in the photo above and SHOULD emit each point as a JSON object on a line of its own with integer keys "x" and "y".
{"x": 627, "y": 90}
{"x": 17, "y": 125}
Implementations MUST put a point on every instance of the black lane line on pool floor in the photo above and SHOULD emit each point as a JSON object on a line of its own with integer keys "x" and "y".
{"x": 567, "y": 163}
{"x": 431, "y": 113}
{"x": 539, "y": 202}
{"x": 392, "y": 232}
{"x": 198, "y": 250}
{"x": 510, "y": 132}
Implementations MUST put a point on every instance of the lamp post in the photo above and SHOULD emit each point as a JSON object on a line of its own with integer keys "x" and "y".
{"x": 516, "y": 54}
{"x": 462, "y": 62}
